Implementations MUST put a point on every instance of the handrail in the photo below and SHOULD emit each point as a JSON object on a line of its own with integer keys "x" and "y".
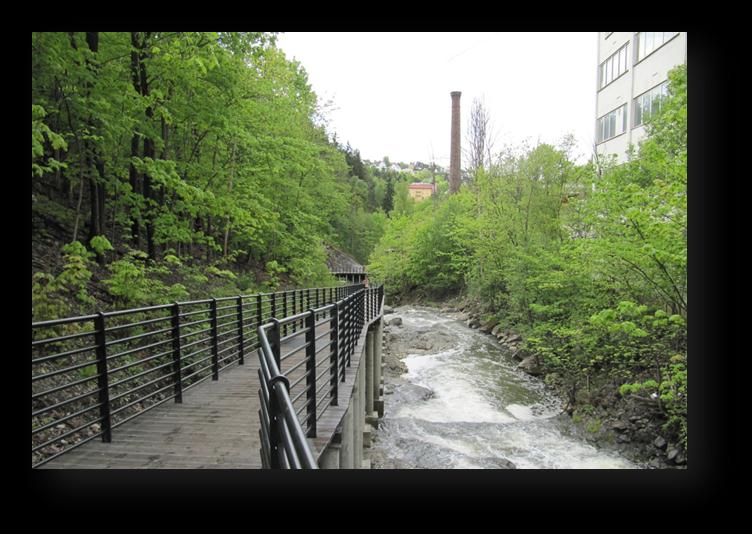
{"x": 283, "y": 434}
{"x": 92, "y": 373}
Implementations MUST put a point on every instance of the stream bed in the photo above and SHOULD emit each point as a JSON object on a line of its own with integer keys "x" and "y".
{"x": 463, "y": 404}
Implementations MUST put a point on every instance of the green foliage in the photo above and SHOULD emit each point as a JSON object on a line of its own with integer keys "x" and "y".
{"x": 53, "y": 297}
{"x": 211, "y": 150}
{"x": 591, "y": 267}
{"x": 100, "y": 244}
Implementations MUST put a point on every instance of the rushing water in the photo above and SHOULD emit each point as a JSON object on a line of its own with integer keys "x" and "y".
{"x": 469, "y": 407}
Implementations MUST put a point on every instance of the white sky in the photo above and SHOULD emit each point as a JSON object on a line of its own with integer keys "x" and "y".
{"x": 390, "y": 91}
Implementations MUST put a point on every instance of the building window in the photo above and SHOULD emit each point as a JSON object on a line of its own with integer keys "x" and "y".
{"x": 647, "y": 104}
{"x": 613, "y": 67}
{"x": 612, "y": 124}
{"x": 648, "y": 42}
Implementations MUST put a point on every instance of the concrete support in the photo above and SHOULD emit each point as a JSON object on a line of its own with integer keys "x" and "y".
{"x": 359, "y": 415}
{"x": 378, "y": 362}
{"x": 346, "y": 448}
{"x": 369, "y": 389}
{"x": 330, "y": 458}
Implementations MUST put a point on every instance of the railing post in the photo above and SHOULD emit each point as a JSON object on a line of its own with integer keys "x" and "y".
{"x": 215, "y": 346}
{"x": 333, "y": 359}
{"x": 275, "y": 341}
{"x": 311, "y": 373}
{"x": 241, "y": 348}
{"x": 350, "y": 327}
{"x": 259, "y": 313}
{"x": 284, "y": 307}
{"x": 275, "y": 430}
{"x": 274, "y": 305}
{"x": 176, "y": 363}
{"x": 103, "y": 378}
{"x": 294, "y": 310}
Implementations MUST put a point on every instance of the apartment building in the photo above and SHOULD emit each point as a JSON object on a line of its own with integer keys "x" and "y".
{"x": 632, "y": 80}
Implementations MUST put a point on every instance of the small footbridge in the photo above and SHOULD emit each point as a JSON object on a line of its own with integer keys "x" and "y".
{"x": 290, "y": 379}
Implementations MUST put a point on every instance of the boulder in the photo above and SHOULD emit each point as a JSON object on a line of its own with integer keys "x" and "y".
{"x": 672, "y": 454}
{"x": 660, "y": 442}
{"x": 395, "y": 321}
{"x": 514, "y": 338}
{"x": 388, "y": 309}
{"x": 520, "y": 354}
{"x": 487, "y": 327}
{"x": 531, "y": 366}
{"x": 620, "y": 426}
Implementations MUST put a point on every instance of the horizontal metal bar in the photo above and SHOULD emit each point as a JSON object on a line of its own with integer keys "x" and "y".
{"x": 62, "y": 371}
{"x": 229, "y": 339}
{"x": 142, "y": 399}
{"x": 295, "y": 368}
{"x": 225, "y": 316}
{"x": 66, "y": 434}
{"x": 196, "y": 312}
{"x": 293, "y": 335}
{"x": 199, "y": 351}
{"x": 68, "y": 320}
{"x": 115, "y": 328}
{"x": 142, "y": 386}
{"x": 62, "y": 354}
{"x": 64, "y": 386}
{"x": 192, "y": 343}
{"x": 138, "y": 375}
{"x": 137, "y": 349}
{"x": 139, "y": 362}
{"x": 66, "y": 418}
{"x": 322, "y": 374}
{"x": 304, "y": 390}
{"x": 138, "y": 336}
{"x": 200, "y": 321}
{"x": 63, "y": 403}
{"x": 75, "y": 445}
{"x": 61, "y": 338}
{"x": 293, "y": 351}
{"x": 137, "y": 310}
{"x": 323, "y": 333}
{"x": 197, "y": 372}
{"x": 228, "y": 348}
{"x": 325, "y": 346}
{"x": 189, "y": 334}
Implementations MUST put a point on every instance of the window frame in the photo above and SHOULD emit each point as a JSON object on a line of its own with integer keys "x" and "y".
{"x": 640, "y": 35}
{"x": 614, "y": 65}
{"x": 600, "y": 123}
{"x": 663, "y": 94}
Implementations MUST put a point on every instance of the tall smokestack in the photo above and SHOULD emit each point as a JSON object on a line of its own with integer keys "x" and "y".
{"x": 454, "y": 153}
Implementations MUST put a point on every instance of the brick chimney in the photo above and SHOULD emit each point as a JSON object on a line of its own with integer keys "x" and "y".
{"x": 454, "y": 153}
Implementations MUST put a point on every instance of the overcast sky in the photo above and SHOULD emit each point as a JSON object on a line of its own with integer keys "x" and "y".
{"x": 390, "y": 91}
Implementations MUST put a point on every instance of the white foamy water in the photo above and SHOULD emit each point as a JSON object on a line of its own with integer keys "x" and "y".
{"x": 482, "y": 410}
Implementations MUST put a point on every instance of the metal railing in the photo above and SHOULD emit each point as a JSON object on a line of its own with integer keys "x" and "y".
{"x": 300, "y": 373}
{"x": 93, "y": 373}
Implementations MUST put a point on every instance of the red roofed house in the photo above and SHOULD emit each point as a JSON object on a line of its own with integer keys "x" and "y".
{"x": 420, "y": 191}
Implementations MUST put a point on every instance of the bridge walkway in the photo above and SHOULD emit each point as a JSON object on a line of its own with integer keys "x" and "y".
{"x": 215, "y": 427}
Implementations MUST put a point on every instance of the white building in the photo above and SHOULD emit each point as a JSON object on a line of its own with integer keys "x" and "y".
{"x": 632, "y": 79}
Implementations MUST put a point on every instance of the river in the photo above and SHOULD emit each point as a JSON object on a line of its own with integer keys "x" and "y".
{"x": 463, "y": 404}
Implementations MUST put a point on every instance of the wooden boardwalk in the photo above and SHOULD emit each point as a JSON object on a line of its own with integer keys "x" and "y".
{"x": 215, "y": 427}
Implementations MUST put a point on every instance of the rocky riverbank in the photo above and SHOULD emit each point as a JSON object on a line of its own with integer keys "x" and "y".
{"x": 427, "y": 441}
{"x": 633, "y": 427}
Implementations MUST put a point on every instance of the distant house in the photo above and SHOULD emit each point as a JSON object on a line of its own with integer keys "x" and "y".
{"x": 420, "y": 191}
